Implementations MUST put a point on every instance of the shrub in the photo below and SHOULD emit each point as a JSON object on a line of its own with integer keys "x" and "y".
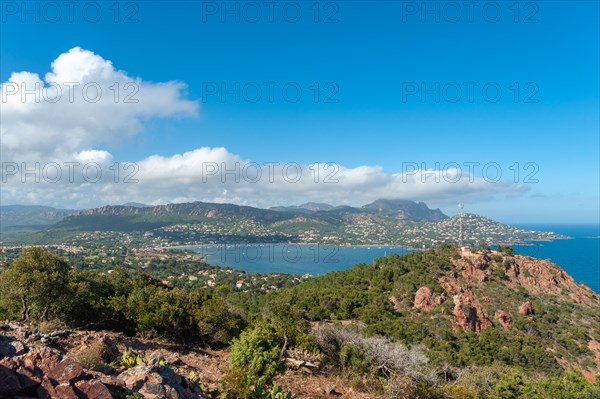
{"x": 496, "y": 258}
{"x": 129, "y": 359}
{"x": 254, "y": 361}
{"x": 388, "y": 366}
{"x": 459, "y": 392}
{"x": 216, "y": 324}
{"x": 275, "y": 392}
{"x": 94, "y": 357}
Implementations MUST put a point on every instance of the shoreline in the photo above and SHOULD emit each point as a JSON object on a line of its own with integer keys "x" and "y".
{"x": 524, "y": 243}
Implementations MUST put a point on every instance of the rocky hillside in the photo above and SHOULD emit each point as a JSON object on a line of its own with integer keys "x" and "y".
{"x": 80, "y": 364}
{"x": 536, "y": 294}
{"x": 446, "y": 298}
{"x": 83, "y": 364}
{"x": 518, "y": 273}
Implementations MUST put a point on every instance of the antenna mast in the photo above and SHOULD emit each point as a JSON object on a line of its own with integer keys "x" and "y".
{"x": 460, "y": 224}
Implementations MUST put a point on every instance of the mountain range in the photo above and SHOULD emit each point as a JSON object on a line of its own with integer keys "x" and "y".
{"x": 384, "y": 222}
{"x": 33, "y": 215}
{"x": 402, "y": 209}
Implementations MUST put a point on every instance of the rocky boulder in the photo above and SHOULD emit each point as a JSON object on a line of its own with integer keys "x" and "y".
{"x": 468, "y": 314}
{"x": 526, "y": 309}
{"x": 152, "y": 380}
{"x": 424, "y": 299}
{"x": 541, "y": 277}
{"x": 43, "y": 371}
{"x": 504, "y": 319}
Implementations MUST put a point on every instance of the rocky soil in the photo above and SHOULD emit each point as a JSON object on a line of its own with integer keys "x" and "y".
{"x": 74, "y": 365}
{"x": 78, "y": 364}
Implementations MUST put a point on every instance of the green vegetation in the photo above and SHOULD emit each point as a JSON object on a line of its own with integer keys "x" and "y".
{"x": 36, "y": 281}
{"x": 129, "y": 359}
{"x": 255, "y": 361}
{"x": 360, "y": 324}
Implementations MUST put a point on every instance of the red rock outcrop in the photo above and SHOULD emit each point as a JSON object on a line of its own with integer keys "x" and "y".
{"x": 594, "y": 346}
{"x": 544, "y": 277}
{"x": 449, "y": 285}
{"x": 474, "y": 266}
{"x": 468, "y": 314}
{"x": 424, "y": 299}
{"x": 526, "y": 309}
{"x": 504, "y": 319}
{"x": 519, "y": 272}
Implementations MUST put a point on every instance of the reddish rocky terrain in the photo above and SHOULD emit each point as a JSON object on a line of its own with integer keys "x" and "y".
{"x": 81, "y": 364}
{"x": 473, "y": 269}
{"x": 65, "y": 365}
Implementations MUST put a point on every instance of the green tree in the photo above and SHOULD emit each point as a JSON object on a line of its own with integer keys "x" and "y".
{"x": 37, "y": 280}
{"x": 217, "y": 325}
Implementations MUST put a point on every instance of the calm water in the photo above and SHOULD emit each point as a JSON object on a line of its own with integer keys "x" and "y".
{"x": 579, "y": 256}
{"x": 292, "y": 258}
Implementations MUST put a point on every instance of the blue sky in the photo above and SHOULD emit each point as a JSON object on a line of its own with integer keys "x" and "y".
{"x": 369, "y": 54}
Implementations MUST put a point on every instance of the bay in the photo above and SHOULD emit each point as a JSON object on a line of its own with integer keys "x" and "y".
{"x": 579, "y": 256}
{"x": 310, "y": 259}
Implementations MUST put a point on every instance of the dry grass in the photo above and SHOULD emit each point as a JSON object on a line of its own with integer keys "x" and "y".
{"x": 94, "y": 356}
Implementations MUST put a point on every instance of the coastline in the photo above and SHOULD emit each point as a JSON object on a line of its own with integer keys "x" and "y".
{"x": 523, "y": 243}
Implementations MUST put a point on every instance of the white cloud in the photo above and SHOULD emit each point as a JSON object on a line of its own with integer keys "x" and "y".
{"x": 217, "y": 175}
{"x": 50, "y": 156}
{"x": 82, "y": 102}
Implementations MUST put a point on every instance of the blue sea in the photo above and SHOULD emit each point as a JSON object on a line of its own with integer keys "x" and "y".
{"x": 579, "y": 256}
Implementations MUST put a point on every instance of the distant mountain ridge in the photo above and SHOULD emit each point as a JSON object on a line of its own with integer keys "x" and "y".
{"x": 137, "y": 205}
{"x": 402, "y": 209}
{"x": 31, "y": 215}
{"x": 405, "y": 209}
{"x": 307, "y": 207}
{"x": 383, "y": 222}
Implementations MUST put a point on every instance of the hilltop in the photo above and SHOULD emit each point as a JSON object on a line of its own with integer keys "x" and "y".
{"x": 405, "y": 209}
{"x": 473, "y": 307}
{"x": 476, "y": 229}
{"x": 400, "y": 209}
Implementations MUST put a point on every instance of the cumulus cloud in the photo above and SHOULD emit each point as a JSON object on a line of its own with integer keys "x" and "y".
{"x": 51, "y": 130}
{"x": 81, "y": 103}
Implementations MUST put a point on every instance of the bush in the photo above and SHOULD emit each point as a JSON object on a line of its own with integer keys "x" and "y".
{"x": 216, "y": 324}
{"x": 129, "y": 359}
{"x": 388, "y": 366}
{"x": 95, "y": 357}
{"x": 275, "y": 392}
{"x": 501, "y": 382}
{"x": 254, "y": 361}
